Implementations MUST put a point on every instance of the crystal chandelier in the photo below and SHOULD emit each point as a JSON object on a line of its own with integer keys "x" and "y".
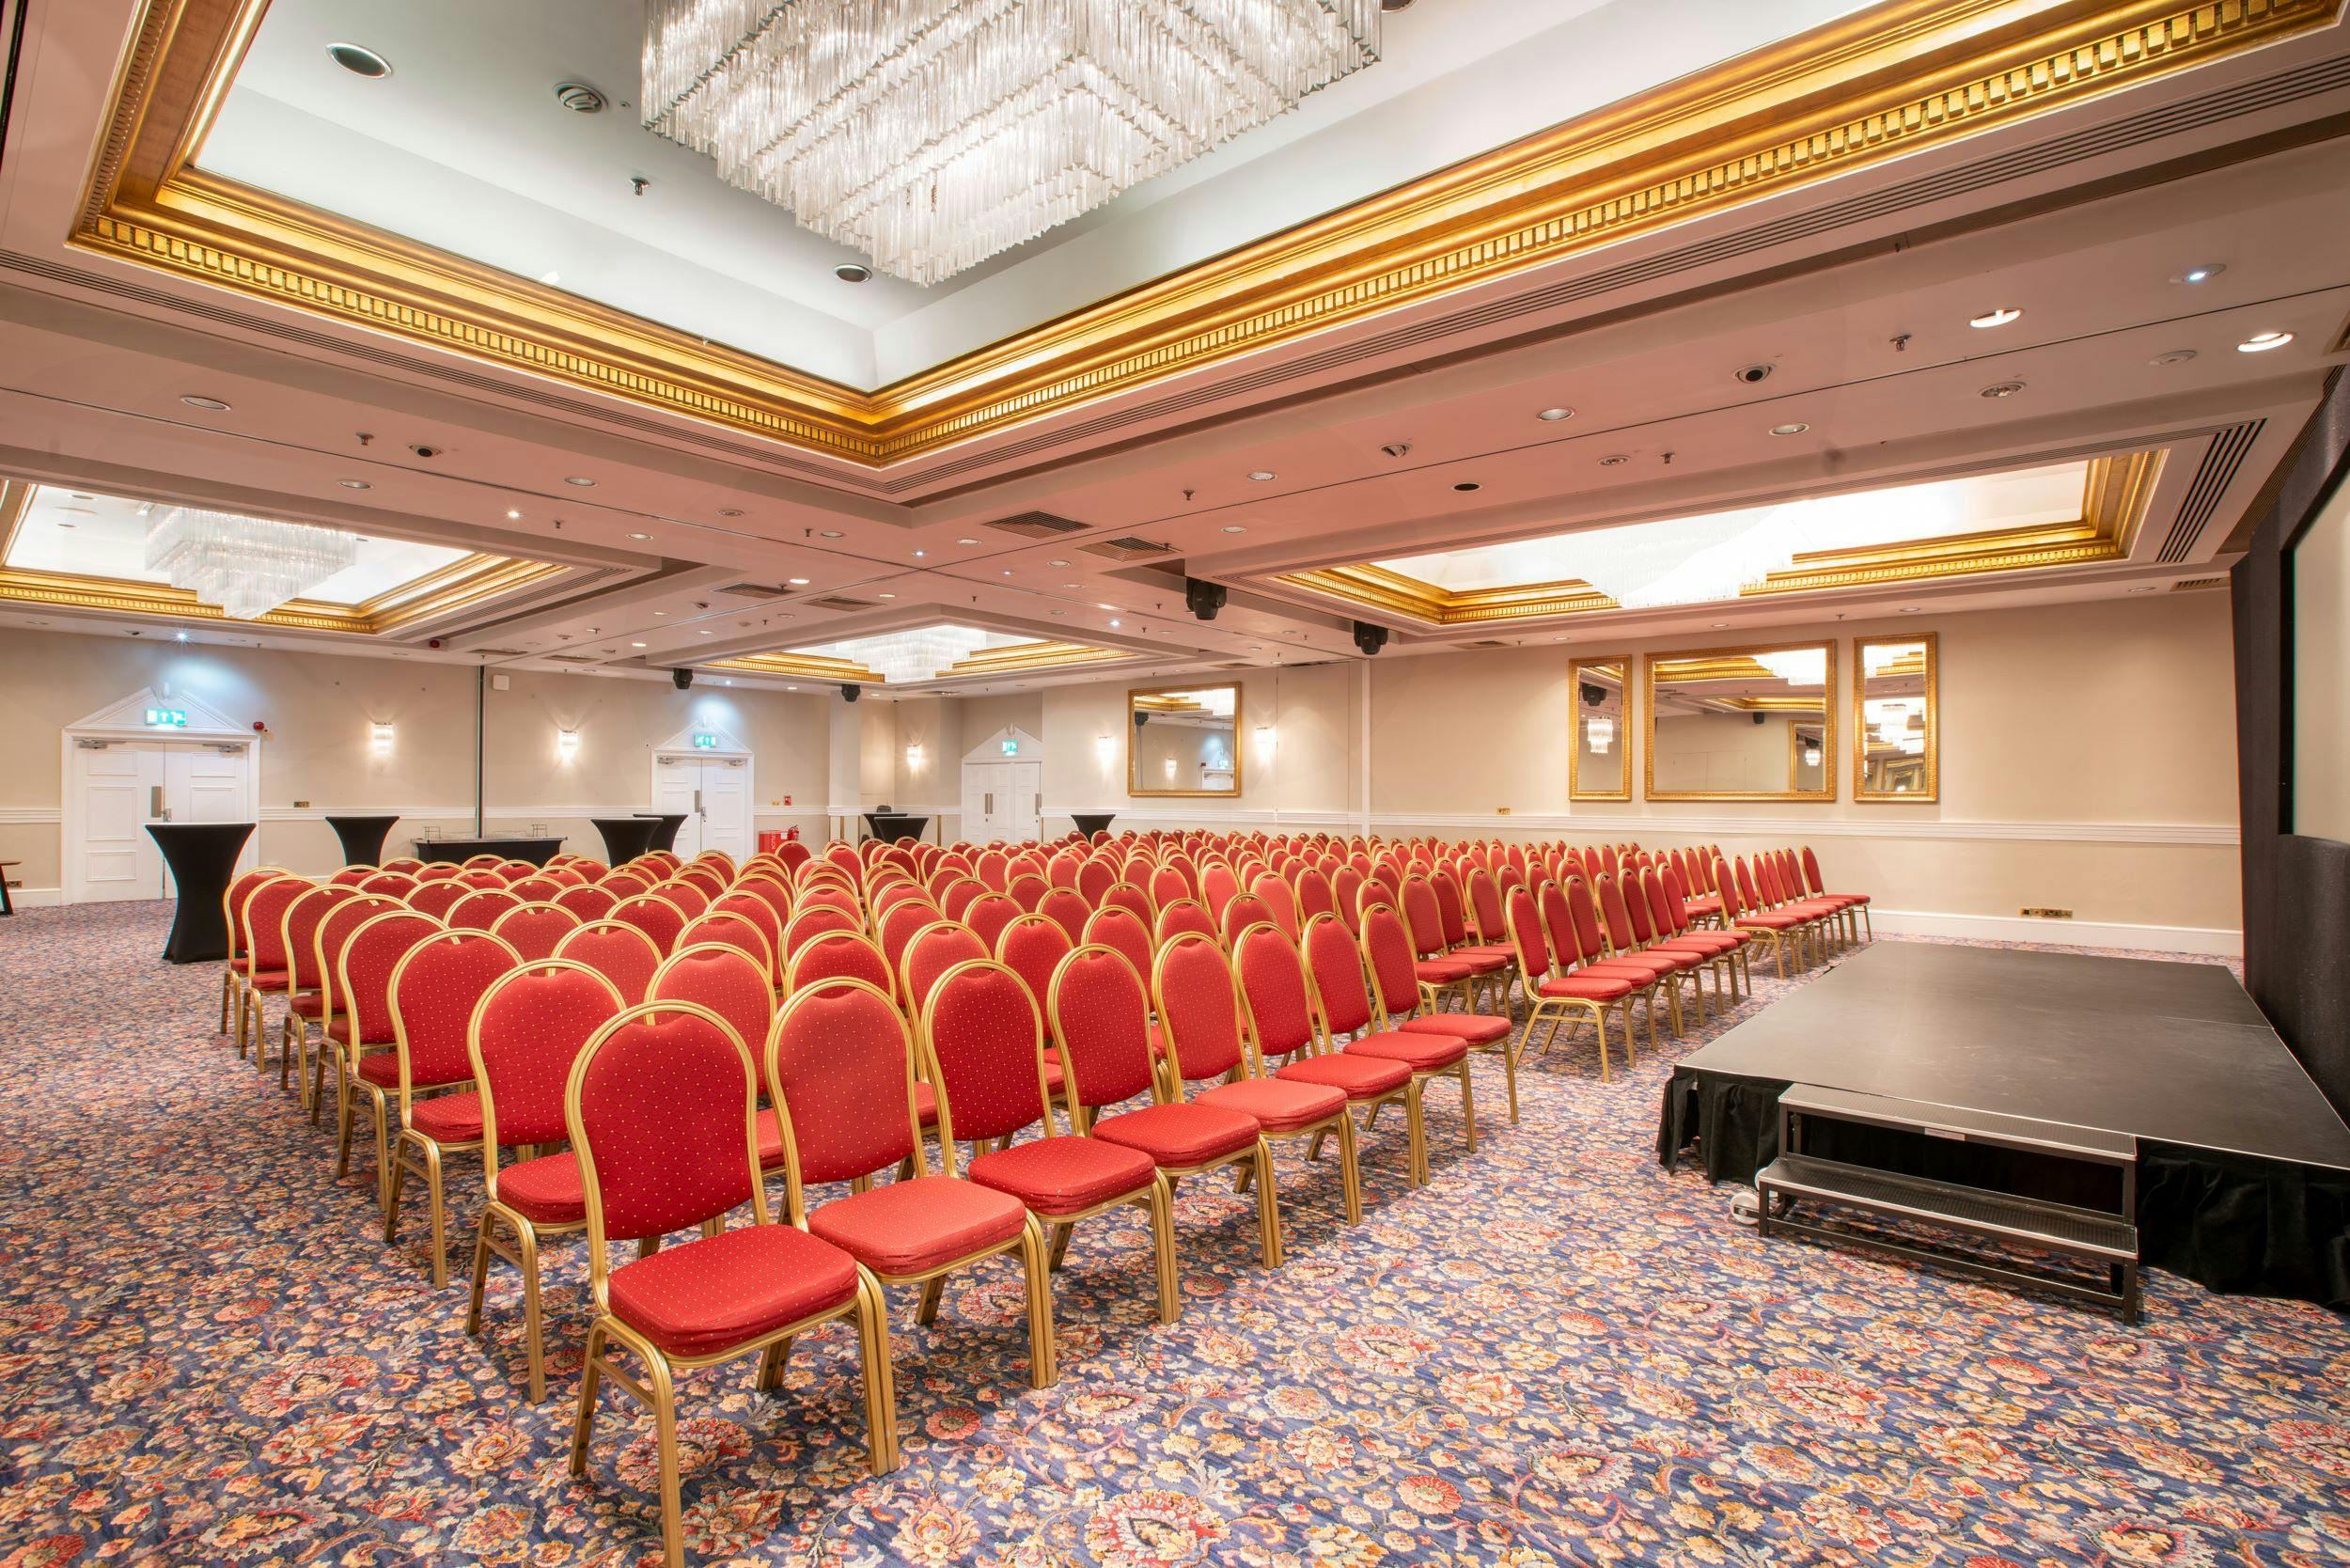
{"x": 245, "y": 565}
{"x": 933, "y": 133}
{"x": 1797, "y": 666}
{"x": 919, "y": 654}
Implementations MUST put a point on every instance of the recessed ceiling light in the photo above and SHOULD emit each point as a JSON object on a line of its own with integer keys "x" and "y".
{"x": 966, "y": 541}
{"x": 1056, "y": 563}
{"x": 2151, "y": 588}
{"x": 919, "y": 554}
{"x": 1468, "y": 485}
{"x": 1113, "y": 622}
{"x": 353, "y": 484}
{"x": 1256, "y": 648}
{"x": 661, "y": 612}
{"x": 1793, "y": 427}
{"x": 1261, "y": 475}
{"x": 2002, "y": 390}
{"x": 852, "y": 272}
{"x": 582, "y": 481}
{"x": 211, "y": 405}
{"x": 512, "y": 516}
{"x": 2203, "y": 273}
{"x": 640, "y": 536}
{"x": 884, "y": 596}
{"x": 1909, "y": 609}
{"x": 2001, "y": 317}
{"x": 1553, "y": 415}
{"x": 2261, "y": 342}
{"x": 1234, "y": 528}
{"x": 549, "y": 278}
{"x": 1720, "y": 624}
{"x": 1061, "y": 612}
{"x": 359, "y": 60}
{"x": 2176, "y": 356}
{"x": 701, "y": 633}
{"x": 636, "y": 645}
{"x": 1105, "y": 606}
{"x": 1616, "y": 459}
{"x": 182, "y": 636}
{"x": 1008, "y": 572}
{"x": 825, "y": 533}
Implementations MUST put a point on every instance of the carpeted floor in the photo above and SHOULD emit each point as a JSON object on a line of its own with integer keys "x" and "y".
{"x": 1558, "y": 1352}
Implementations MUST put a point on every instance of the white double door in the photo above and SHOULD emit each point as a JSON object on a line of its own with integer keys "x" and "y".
{"x": 714, "y": 794}
{"x": 1002, "y": 800}
{"x": 121, "y": 786}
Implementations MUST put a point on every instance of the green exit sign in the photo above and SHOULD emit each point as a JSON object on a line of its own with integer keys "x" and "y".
{"x": 706, "y": 743}
{"x": 1012, "y": 749}
{"x": 168, "y": 718}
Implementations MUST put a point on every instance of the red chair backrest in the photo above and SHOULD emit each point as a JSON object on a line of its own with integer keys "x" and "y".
{"x": 1243, "y": 910}
{"x": 1167, "y": 885}
{"x": 1811, "y": 871}
{"x": 1219, "y": 887}
{"x": 730, "y": 930}
{"x": 1335, "y": 966}
{"x": 621, "y": 953}
{"x": 1182, "y": 915}
{"x": 1120, "y": 929}
{"x": 1094, "y": 878}
{"x": 1198, "y": 1007}
{"x": 659, "y": 920}
{"x": 1027, "y": 890}
{"x": 1101, "y": 1016}
{"x": 1033, "y": 948}
{"x": 688, "y": 899}
{"x": 1526, "y": 937}
{"x": 987, "y": 914}
{"x": 333, "y": 935}
{"x": 301, "y": 931}
{"x": 535, "y": 889}
{"x": 390, "y": 884}
{"x": 757, "y": 911}
{"x": 232, "y": 905}
{"x": 1451, "y": 909}
{"x": 812, "y": 921}
{"x": 431, "y": 994}
{"x": 1280, "y": 900}
{"x": 265, "y": 921}
{"x": 437, "y": 898}
{"x": 1387, "y": 954}
{"x": 660, "y": 1113}
{"x": 957, "y": 896}
{"x": 729, "y": 982}
{"x": 594, "y": 903}
{"x": 363, "y": 975}
{"x": 1583, "y": 925}
{"x": 1275, "y": 1001}
{"x": 1313, "y": 894}
{"x": 479, "y": 910}
{"x": 983, "y": 1045}
{"x": 935, "y": 950}
{"x": 840, "y": 1066}
{"x": 838, "y": 955}
{"x": 1067, "y": 908}
{"x": 525, "y": 1031}
{"x": 534, "y": 930}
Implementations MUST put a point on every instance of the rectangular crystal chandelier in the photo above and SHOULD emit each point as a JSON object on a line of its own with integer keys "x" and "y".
{"x": 931, "y": 135}
{"x": 248, "y": 565}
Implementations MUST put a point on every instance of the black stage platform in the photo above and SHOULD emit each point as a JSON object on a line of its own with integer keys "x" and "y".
{"x": 2244, "y": 1168}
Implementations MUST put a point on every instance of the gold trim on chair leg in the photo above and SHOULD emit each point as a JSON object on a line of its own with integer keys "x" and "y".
{"x": 1161, "y": 1205}
{"x": 1044, "y": 1355}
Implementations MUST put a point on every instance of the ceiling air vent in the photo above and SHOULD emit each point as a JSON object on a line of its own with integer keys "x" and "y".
{"x": 1488, "y": 642}
{"x": 2189, "y": 585}
{"x": 573, "y": 659}
{"x": 497, "y": 653}
{"x": 758, "y": 591}
{"x": 1128, "y": 548}
{"x": 1036, "y": 525}
{"x": 842, "y": 602}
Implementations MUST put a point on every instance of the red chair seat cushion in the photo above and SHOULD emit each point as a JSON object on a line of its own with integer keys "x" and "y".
{"x": 1704, "y": 944}
{"x": 307, "y": 1004}
{"x": 1278, "y": 1106}
{"x": 340, "y": 1030}
{"x": 1704, "y": 903}
{"x": 1424, "y": 1052}
{"x": 1441, "y": 971}
{"x": 381, "y": 1068}
{"x": 770, "y": 1141}
{"x": 1767, "y": 921}
{"x": 1183, "y": 1135}
{"x": 1641, "y": 971}
{"x": 1474, "y": 1028}
{"x": 1064, "y": 1175}
{"x": 926, "y": 1102}
{"x": 1585, "y": 986}
{"x": 711, "y": 1294}
{"x": 1362, "y": 1077}
{"x": 1484, "y": 959}
{"x": 548, "y": 1190}
{"x": 268, "y": 980}
{"x": 447, "y": 1118}
{"x": 914, "y": 1226}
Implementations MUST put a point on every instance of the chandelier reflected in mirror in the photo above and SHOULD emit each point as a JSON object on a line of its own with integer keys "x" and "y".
{"x": 931, "y": 135}
{"x": 248, "y": 565}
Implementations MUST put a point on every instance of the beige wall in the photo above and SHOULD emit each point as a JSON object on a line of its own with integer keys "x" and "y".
{"x": 2321, "y": 662}
{"x": 1729, "y": 752}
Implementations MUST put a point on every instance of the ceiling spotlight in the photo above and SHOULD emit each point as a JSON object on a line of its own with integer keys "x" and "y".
{"x": 2261, "y": 342}
{"x": 919, "y": 554}
{"x": 1007, "y": 572}
{"x": 702, "y": 634}
{"x": 2002, "y": 390}
{"x": 797, "y": 582}
{"x": 182, "y": 636}
{"x": 661, "y": 612}
{"x": 353, "y": 484}
{"x": 1260, "y": 475}
{"x": 1720, "y": 624}
{"x": 966, "y": 541}
{"x": 2001, "y": 317}
{"x": 211, "y": 405}
{"x": 2176, "y": 356}
{"x": 1113, "y": 623}
{"x": 640, "y": 536}
{"x": 579, "y": 97}
{"x": 1797, "y": 427}
{"x": 1234, "y": 528}
{"x": 852, "y": 272}
{"x": 1615, "y": 460}
{"x": 884, "y": 596}
{"x": 1105, "y": 606}
{"x": 2203, "y": 273}
{"x": 512, "y": 516}
{"x": 825, "y": 533}
{"x": 1553, "y": 415}
{"x": 359, "y": 61}
{"x": 1909, "y": 609}
{"x": 1468, "y": 484}
{"x": 636, "y": 645}
{"x": 582, "y": 481}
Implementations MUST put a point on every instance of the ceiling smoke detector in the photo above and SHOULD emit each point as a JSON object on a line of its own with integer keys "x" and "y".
{"x": 578, "y": 97}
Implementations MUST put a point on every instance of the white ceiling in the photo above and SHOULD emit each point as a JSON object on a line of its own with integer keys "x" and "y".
{"x": 463, "y": 147}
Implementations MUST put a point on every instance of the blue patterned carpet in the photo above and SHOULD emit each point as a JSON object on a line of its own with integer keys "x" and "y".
{"x": 1559, "y": 1353}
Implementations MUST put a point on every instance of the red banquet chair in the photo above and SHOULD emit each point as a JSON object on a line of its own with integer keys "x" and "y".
{"x": 591, "y": 902}
{"x": 535, "y": 930}
{"x": 659, "y": 1108}
{"x": 984, "y": 1049}
{"x": 437, "y": 898}
{"x": 935, "y": 950}
{"x": 232, "y": 901}
{"x": 305, "y": 982}
{"x": 1572, "y": 924}
{"x": 1181, "y": 916}
{"x": 479, "y": 910}
{"x": 839, "y": 1052}
{"x": 1200, "y": 1022}
{"x": 525, "y": 1031}
{"x": 334, "y": 934}
{"x": 1067, "y": 908}
{"x": 1725, "y": 950}
{"x": 433, "y": 989}
{"x": 733, "y": 930}
{"x": 836, "y": 955}
{"x": 363, "y": 1033}
{"x": 1556, "y": 996}
{"x": 658, "y": 918}
{"x": 1347, "y": 1007}
{"x": 620, "y": 953}
{"x": 814, "y": 920}
{"x": 261, "y": 969}
{"x": 1276, "y": 1004}
{"x": 760, "y": 912}
{"x": 688, "y": 899}
{"x": 1852, "y": 903}
{"x": 1101, "y": 1016}
{"x": 1407, "y": 1006}
{"x": 987, "y": 914}
{"x": 1118, "y": 929}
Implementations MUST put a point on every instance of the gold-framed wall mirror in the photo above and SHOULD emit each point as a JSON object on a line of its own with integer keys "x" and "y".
{"x": 1755, "y": 723}
{"x": 1896, "y": 755}
{"x": 1599, "y": 764}
{"x": 1180, "y": 740}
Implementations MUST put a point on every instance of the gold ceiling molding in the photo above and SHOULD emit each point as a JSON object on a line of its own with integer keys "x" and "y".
{"x": 1019, "y": 656}
{"x": 1889, "y": 80}
{"x": 805, "y": 666}
{"x": 454, "y": 586}
{"x": 2115, "y": 495}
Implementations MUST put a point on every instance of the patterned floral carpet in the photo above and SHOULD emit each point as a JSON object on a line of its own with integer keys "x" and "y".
{"x": 1558, "y": 1353}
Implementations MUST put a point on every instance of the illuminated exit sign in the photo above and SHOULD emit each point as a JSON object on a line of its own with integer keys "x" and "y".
{"x": 1012, "y": 749}
{"x": 706, "y": 743}
{"x": 168, "y": 718}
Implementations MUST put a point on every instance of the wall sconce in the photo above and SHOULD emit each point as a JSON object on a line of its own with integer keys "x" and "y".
{"x": 566, "y": 745}
{"x": 1106, "y": 749}
{"x": 379, "y": 737}
{"x": 914, "y": 757}
{"x": 1170, "y": 767}
{"x": 1267, "y": 738}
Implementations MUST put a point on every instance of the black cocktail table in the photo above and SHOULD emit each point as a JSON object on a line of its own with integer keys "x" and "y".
{"x": 202, "y": 857}
{"x": 362, "y": 838}
{"x": 537, "y": 850}
{"x": 665, "y": 832}
{"x": 893, "y": 825}
{"x": 626, "y": 838}
{"x": 1091, "y": 822}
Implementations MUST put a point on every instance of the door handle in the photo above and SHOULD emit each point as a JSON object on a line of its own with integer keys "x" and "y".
{"x": 155, "y": 806}
{"x": 698, "y": 803}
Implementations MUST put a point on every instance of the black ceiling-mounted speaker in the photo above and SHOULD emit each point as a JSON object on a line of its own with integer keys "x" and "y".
{"x": 851, "y": 691}
{"x": 681, "y": 679}
{"x": 1141, "y": 719}
{"x": 1757, "y": 718}
{"x": 1203, "y": 597}
{"x": 1370, "y": 639}
{"x": 1592, "y": 695}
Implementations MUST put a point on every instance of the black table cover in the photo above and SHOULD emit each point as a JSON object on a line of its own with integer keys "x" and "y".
{"x": 537, "y": 850}
{"x": 362, "y": 838}
{"x": 664, "y": 830}
{"x": 894, "y": 825}
{"x": 1091, "y": 822}
{"x": 202, "y": 857}
{"x": 626, "y": 838}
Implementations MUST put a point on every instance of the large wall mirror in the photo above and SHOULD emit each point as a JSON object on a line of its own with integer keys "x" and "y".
{"x": 1894, "y": 723}
{"x": 1600, "y": 765}
{"x": 1180, "y": 741}
{"x": 1742, "y": 723}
